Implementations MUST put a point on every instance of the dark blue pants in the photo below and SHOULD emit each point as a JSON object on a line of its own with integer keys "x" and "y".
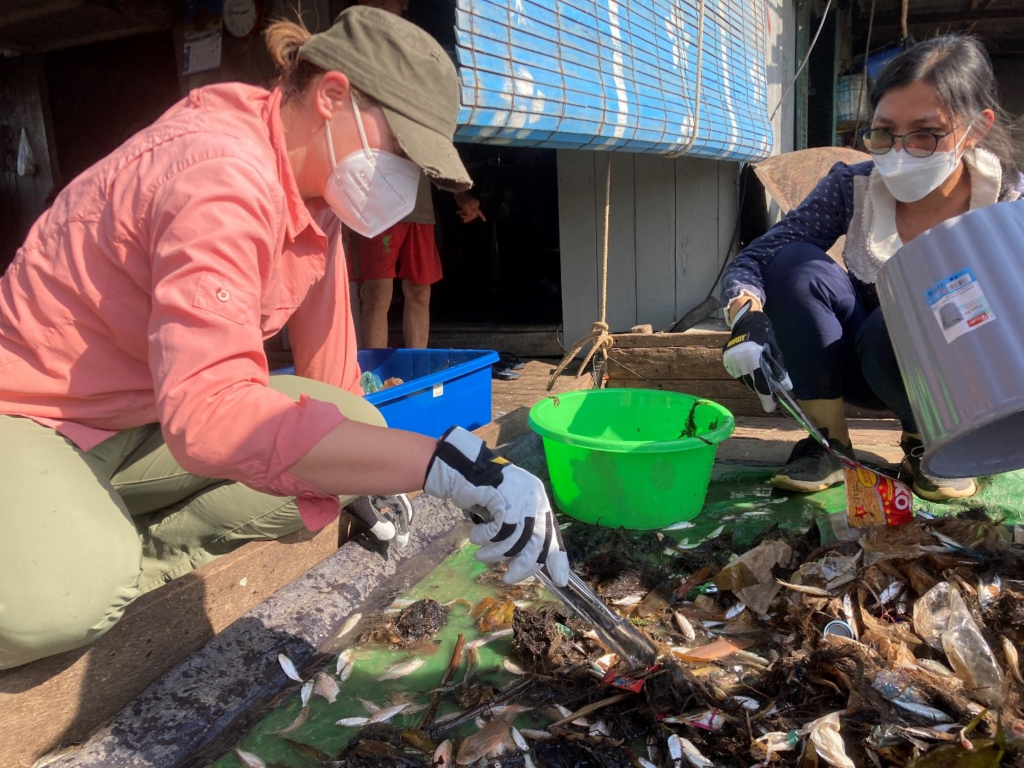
{"x": 834, "y": 344}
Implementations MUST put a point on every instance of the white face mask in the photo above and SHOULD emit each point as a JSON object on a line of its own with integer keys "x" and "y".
{"x": 910, "y": 178}
{"x": 370, "y": 190}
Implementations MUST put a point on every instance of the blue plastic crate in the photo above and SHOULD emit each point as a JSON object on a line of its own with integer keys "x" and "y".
{"x": 443, "y": 387}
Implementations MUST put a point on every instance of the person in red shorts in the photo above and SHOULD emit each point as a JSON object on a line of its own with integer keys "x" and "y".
{"x": 406, "y": 251}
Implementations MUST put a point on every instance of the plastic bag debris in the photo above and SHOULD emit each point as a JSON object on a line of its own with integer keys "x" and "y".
{"x": 943, "y": 621}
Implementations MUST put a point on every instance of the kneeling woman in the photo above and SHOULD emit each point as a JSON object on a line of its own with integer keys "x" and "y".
{"x": 941, "y": 146}
{"x": 140, "y": 432}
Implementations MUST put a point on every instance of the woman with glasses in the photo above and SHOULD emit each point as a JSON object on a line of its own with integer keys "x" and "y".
{"x": 941, "y": 146}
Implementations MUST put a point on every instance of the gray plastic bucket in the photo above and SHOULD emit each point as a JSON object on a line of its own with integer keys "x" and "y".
{"x": 953, "y": 301}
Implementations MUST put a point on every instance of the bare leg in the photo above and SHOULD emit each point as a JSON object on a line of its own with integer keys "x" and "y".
{"x": 375, "y": 301}
{"x": 828, "y": 414}
{"x": 416, "y": 318}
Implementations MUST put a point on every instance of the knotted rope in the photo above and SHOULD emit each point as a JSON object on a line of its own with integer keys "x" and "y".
{"x": 600, "y": 338}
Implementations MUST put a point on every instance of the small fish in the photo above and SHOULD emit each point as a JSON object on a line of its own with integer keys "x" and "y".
{"x": 685, "y": 627}
{"x": 345, "y": 664}
{"x": 306, "y": 693}
{"x": 387, "y": 713}
{"x": 751, "y": 659}
{"x": 353, "y": 722}
{"x": 645, "y": 763}
{"x": 297, "y": 723}
{"x": 627, "y": 601}
{"x": 493, "y": 740}
{"x": 935, "y": 667}
{"x": 680, "y": 526}
{"x": 735, "y": 611}
{"x": 747, "y": 702}
{"x": 369, "y": 706}
{"x": 922, "y": 710}
{"x": 326, "y": 686}
{"x": 401, "y": 670}
{"x": 521, "y": 742}
{"x": 480, "y": 642}
{"x": 349, "y": 625}
{"x": 443, "y": 755}
{"x": 803, "y": 589}
{"x": 288, "y": 667}
{"x": 511, "y": 666}
{"x": 1012, "y": 659}
{"x": 249, "y": 760}
{"x": 689, "y": 751}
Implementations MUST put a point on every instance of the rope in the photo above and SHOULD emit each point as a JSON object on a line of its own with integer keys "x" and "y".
{"x": 600, "y": 338}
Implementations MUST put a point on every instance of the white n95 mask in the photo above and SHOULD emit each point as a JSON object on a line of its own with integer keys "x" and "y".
{"x": 370, "y": 190}
{"x": 910, "y": 178}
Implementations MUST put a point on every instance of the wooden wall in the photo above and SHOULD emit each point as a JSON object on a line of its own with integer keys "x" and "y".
{"x": 23, "y": 104}
{"x": 670, "y": 228}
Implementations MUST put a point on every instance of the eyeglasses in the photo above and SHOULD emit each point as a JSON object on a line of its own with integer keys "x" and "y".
{"x": 878, "y": 141}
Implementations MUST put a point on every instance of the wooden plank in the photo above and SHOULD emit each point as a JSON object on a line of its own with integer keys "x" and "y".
{"x": 578, "y": 245}
{"x": 61, "y": 699}
{"x": 697, "y": 251}
{"x": 622, "y": 284}
{"x": 667, "y": 363}
{"x": 711, "y": 333}
{"x": 655, "y": 204}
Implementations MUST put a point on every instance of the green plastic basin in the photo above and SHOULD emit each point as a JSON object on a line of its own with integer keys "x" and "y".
{"x": 639, "y": 458}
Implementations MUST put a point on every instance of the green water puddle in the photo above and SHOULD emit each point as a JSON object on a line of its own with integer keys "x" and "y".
{"x": 740, "y": 501}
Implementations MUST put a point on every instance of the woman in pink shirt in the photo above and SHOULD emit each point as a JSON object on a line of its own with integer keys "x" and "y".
{"x": 140, "y": 432}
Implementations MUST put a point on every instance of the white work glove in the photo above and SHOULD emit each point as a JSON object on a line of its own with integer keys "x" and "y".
{"x": 388, "y": 518}
{"x": 753, "y": 340}
{"x": 522, "y": 528}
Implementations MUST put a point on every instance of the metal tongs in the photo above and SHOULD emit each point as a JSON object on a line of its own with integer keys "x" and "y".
{"x": 614, "y": 631}
{"x": 785, "y": 398}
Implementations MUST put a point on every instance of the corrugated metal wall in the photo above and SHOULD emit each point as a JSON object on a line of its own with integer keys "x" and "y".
{"x": 601, "y": 74}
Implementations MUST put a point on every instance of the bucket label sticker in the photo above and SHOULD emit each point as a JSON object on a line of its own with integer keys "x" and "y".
{"x": 959, "y": 304}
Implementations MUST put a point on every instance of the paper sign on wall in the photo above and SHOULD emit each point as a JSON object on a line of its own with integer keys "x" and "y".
{"x": 203, "y": 36}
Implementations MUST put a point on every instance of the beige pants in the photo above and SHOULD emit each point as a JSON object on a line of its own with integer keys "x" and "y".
{"x": 82, "y": 534}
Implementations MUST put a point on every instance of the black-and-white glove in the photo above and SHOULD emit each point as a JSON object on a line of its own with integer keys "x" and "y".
{"x": 522, "y": 529}
{"x": 387, "y": 518}
{"x": 752, "y": 337}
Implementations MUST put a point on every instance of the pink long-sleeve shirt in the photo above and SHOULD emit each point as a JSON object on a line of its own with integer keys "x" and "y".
{"x": 145, "y": 294}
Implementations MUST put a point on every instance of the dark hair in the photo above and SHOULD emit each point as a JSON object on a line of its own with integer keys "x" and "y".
{"x": 960, "y": 70}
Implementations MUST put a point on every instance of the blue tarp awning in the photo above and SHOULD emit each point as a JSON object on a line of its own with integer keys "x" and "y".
{"x": 622, "y": 75}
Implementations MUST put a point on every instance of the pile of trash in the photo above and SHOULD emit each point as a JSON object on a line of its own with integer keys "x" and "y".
{"x": 897, "y": 647}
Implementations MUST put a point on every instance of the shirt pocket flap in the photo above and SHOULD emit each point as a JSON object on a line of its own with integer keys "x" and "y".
{"x": 225, "y": 298}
